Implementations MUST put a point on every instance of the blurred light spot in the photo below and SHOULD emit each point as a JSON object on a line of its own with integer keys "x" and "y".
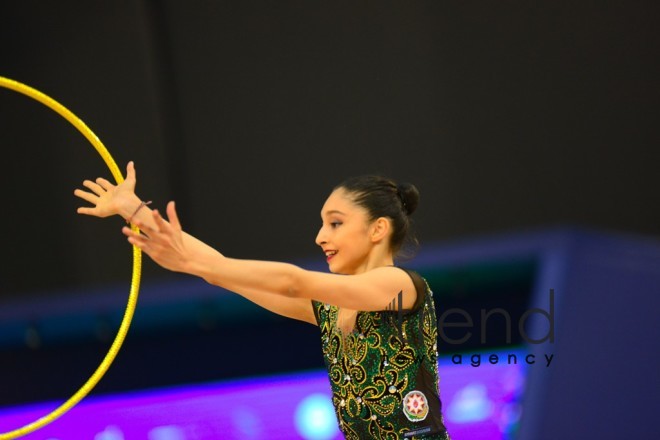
{"x": 247, "y": 424}
{"x": 315, "y": 418}
{"x": 470, "y": 404}
{"x": 167, "y": 433}
{"x": 110, "y": 433}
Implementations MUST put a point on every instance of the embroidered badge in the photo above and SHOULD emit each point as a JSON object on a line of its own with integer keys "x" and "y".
{"x": 415, "y": 406}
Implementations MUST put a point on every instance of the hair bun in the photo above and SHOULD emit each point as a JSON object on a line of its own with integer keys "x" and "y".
{"x": 409, "y": 197}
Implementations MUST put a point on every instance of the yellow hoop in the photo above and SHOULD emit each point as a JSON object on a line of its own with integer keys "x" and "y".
{"x": 137, "y": 264}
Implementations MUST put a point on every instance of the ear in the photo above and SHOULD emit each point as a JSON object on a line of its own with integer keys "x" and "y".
{"x": 380, "y": 229}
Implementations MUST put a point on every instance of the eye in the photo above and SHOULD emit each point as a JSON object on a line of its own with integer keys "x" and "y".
{"x": 335, "y": 224}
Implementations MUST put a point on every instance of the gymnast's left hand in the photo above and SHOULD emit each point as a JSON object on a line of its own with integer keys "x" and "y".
{"x": 163, "y": 241}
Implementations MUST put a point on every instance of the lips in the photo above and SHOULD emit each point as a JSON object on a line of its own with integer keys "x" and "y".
{"x": 329, "y": 254}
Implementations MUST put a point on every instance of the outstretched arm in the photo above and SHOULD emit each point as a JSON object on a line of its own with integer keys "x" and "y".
{"x": 167, "y": 244}
{"x": 109, "y": 199}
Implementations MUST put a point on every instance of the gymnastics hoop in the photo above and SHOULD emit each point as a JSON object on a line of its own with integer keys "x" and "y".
{"x": 135, "y": 279}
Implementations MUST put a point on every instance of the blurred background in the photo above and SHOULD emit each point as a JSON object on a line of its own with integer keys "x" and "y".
{"x": 530, "y": 129}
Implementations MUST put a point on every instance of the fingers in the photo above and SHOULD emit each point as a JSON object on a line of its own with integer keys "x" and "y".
{"x": 130, "y": 170}
{"x": 131, "y": 233}
{"x": 105, "y": 184}
{"x": 95, "y": 187}
{"x": 162, "y": 228}
{"x": 88, "y": 197}
{"x": 85, "y": 210}
{"x": 173, "y": 216}
{"x": 135, "y": 238}
{"x": 144, "y": 229}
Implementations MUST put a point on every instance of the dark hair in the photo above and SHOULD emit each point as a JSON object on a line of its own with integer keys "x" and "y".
{"x": 383, "y": 197}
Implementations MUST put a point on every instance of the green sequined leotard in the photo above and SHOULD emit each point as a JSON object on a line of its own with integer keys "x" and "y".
{"x": 384, "y": 387}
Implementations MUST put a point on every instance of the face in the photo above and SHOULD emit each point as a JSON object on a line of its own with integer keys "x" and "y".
{"x": 344, "y": 234}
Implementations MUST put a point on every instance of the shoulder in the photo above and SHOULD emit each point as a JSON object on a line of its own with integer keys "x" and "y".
{"x": 408, "y": 283}
{"x": 420, "y": 286}
{"x": 393, "y": 275}
{"x": 376, "y": 289}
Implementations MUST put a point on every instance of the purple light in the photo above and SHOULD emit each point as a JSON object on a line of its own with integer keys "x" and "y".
{"x": 479, "y": 403}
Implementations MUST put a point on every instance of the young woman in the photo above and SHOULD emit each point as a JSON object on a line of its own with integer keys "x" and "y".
{"x": 377, "y": 321}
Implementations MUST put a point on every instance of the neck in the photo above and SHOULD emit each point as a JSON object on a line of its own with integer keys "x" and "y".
{"x": 376, "y": 258}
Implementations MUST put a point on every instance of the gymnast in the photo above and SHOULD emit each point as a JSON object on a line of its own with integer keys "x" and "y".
{"x": 377, "y": 321}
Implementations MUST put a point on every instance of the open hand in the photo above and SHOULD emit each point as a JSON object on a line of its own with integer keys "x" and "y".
{"x": 163, "y": 242}
{"x": 107, "y": 198}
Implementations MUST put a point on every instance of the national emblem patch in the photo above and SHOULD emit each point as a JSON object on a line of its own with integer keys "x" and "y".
{"x": 415, "y": 406}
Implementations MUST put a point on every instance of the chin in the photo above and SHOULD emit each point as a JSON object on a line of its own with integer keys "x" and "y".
{"x": 333, "y": 268}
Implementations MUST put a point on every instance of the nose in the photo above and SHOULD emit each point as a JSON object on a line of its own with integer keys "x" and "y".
{"x": 320, "y": 237}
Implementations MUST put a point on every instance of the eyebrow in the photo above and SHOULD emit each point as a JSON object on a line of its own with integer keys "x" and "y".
{"x": 334, "y": 211}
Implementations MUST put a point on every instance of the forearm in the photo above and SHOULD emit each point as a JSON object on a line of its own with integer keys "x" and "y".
{"x": 270, "y": 285}
{"x": 167, "y": 244}
{"x": 264, "y": 283}
{"x": 264, "y": 277}
{"x": 295, "y": 308}
{"x": 207, "y": 263}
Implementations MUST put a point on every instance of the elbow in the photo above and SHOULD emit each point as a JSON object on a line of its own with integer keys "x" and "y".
{"x": 293, "y": 283}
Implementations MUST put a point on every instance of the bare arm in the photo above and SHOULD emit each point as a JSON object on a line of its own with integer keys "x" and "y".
{"x": 109, "y": 199}
{"x": 166, "y": 244}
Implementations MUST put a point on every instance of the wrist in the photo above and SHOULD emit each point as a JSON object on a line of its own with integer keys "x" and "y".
{"x": 128, "y": 207}
{"x": 135, "y": 213}
{"x": 207, "y": 265}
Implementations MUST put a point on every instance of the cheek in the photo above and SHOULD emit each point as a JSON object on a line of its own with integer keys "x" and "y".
{"x": 358, "y": 246}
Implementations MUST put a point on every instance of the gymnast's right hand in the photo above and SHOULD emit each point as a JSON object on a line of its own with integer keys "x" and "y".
{"x": 108, "y": 199}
